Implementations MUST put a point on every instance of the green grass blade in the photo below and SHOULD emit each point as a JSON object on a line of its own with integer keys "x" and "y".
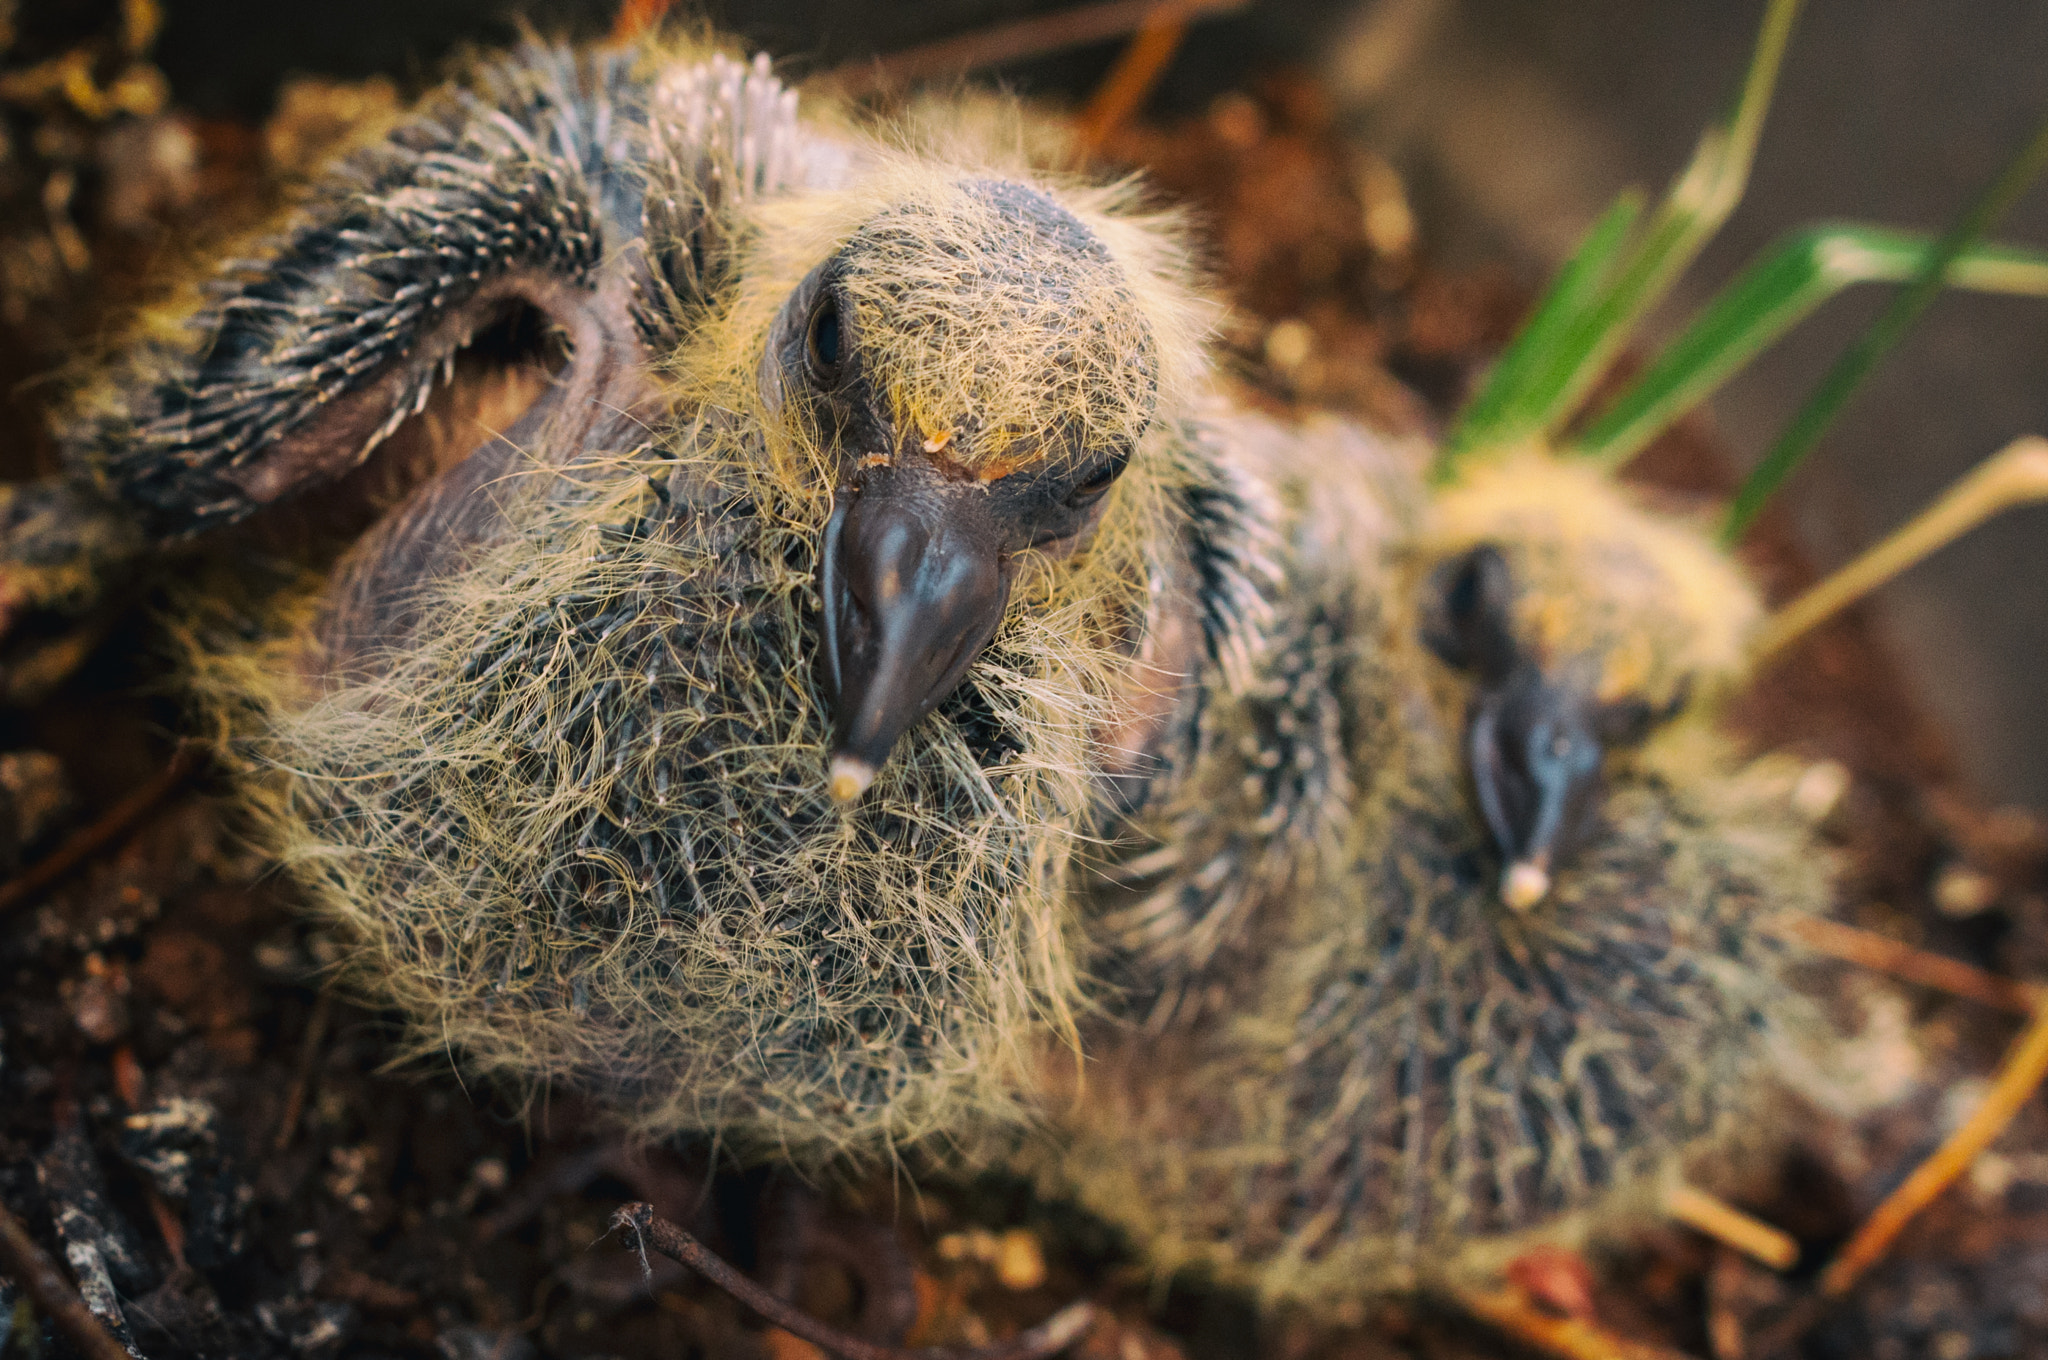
{"x": 1860, "y": 358}
{"x": 1698, "y": 202}
{"x": 1602, "y": 293}
{"x": 1771, "y": 296}
{"x": 1501, "y": 412}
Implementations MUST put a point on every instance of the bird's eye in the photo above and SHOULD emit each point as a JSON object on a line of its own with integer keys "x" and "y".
{"x": 1091, "y": 488}
{"x": 825, "y": 343}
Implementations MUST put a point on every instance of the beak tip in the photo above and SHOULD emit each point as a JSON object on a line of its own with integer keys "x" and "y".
{"x": 1524, "y": 885}
{"x": 847, "y": 778}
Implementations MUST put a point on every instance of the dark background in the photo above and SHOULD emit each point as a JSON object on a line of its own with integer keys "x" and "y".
{"x": 1514, "y": 121}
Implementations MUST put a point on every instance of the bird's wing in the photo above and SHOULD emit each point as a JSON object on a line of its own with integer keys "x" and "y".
{"x": 588, "y": 186}
{"x": 306, "y": 355}
{"x": 721, "y": 133}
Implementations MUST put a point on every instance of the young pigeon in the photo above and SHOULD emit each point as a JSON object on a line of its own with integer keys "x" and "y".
{"x": 1440, "y": 935}
{"x": 718, "y": 738}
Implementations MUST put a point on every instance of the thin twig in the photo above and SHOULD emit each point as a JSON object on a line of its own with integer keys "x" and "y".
{"x": 2016, "y": 475}
{"x": 1019, "y": 41}
{"x": 128, "y": 1082}
{"x": 1882, "y": 954}
{"x": 1760, "y": 1241}
{"x": 649, "y": 1229}
{"x": 636, "y": 17}
{"x": 119, "y": 820}
{"x": 1727, "y": 1337}
{"x": 53, "y": 1294}
{"x": 302, "y": 1080}
{"x": 561, "y": 1174}
{"x": 1145, "y": 58}
{"x": 1568, "y": 1338}
{"x": 2018, "y": 1078}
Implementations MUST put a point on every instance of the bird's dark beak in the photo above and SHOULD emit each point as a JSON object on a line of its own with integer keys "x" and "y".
{"x": 1535, "y": 755}
{"x": 913, "y": 584}
{"x": 1535, "y": 741}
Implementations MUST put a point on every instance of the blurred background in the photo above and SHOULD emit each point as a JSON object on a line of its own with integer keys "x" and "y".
{"x": 1511, "y": 123}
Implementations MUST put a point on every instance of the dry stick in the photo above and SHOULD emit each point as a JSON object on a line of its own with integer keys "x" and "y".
{"x": 118, "y": 822}
{"x": 59, "y": 1302}
{"x": 2016, "y": 475}
{"x": 302, "y": 1080}
{"x": 1766, "y": 1245}
{"x": 1026, "y": 38}
{"x": 1565, "y": 1337}
{"x": 1160, "y": 26}
{"x": 1727, "y": 1338}
{"x": 1881, "y": 954}
{"x": 1134, "y": 75}
{"x": 128, "y": 1083}
{"x": 649, "y": 1229}
{"x": 561, "y": 1174}
{"x": 634, "y": 18}
{"x": 2019, "y": 1076}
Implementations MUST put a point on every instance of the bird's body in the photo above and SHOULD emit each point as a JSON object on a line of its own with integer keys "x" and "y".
{"x": 1344, "y": 1065}
{"x": 549, "y": 743}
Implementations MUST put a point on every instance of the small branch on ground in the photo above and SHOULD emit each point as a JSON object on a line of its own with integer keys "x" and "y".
{"x": 1514, "y": 1313}
{"x": 1768, "y": 1246}
{"x": 119, "y": 820}
{"x": 302, "y": 1079}
{"x": 636, "y": 17}
{"x": 1134, "y": 76}
{"x": 52, "y": 1293}
{"x": 2018, "y": 1078}
{"x": 649, "y": 1229}
{"x": 1882, "y": 954}
{"x": 1037, "y": 36}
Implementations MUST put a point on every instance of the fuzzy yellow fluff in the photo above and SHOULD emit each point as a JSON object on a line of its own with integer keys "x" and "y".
{"x": 1643, "y": 594}
{"x": 1343, "y": 1067}
{"x": 572, "y": 820}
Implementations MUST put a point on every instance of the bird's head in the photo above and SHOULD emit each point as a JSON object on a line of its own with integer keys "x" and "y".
{"x": 1582, "y": 621}
{"x": 972, "y": 363}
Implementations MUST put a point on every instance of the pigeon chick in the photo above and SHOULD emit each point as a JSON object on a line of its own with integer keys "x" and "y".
{"x": 716, "y": 740}
{"x": 1439, "y": 933}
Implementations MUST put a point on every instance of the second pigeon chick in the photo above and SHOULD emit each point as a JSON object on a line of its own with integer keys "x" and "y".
{"x": 1440, "y": 934}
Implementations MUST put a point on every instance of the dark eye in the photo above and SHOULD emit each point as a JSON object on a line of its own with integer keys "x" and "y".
{"x": 1091, "y": 488}
{"x": 825, "y": 342}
